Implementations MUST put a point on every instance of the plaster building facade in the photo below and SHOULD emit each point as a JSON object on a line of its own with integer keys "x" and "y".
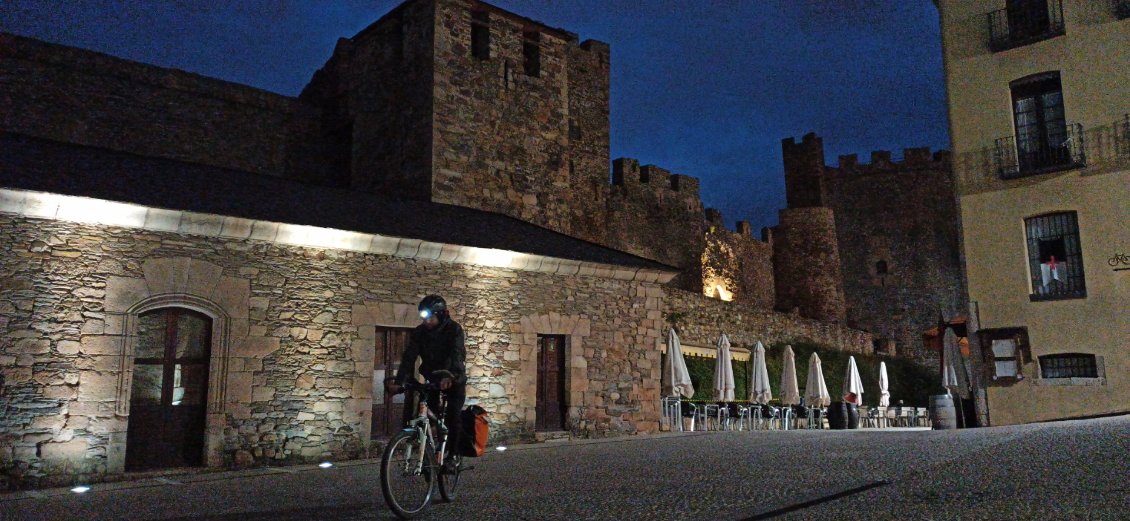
{"x": 1041, "y": 139}
{"x": 248, "y": 263}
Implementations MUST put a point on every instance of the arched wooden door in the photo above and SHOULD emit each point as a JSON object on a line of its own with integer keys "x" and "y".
{"x": 168, "y": 398}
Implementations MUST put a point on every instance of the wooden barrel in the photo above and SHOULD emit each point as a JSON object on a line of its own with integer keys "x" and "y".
{"x": 942, "y": 413}
{"x": 852, "y": 415}
{"x": 837, "y": 415}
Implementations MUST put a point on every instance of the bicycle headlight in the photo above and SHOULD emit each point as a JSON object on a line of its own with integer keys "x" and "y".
{"x": 425, "y": 313}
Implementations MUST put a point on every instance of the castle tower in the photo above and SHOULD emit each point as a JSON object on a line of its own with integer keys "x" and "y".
{"x": 460, "y": 102}
{"x": 806, "y": 262}
{"x": 804, "y": 171}
{"x": 806, "y": 258}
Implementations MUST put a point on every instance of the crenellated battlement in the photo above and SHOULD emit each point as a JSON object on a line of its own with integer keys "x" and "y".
{"x": 881, "y": 162}
{"x": 627, "y": 173}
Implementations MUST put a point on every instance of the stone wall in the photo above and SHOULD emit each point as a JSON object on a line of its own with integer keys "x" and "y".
{"x": 896, "y": 231}
{"x": 702, "y": 320}
{"x": 78, "y": 96}
{"x": 900, "y": 217}
{"x": 502, "y": 136}
{"x": 736, "y": 263}
{"x": 291, "y": 372}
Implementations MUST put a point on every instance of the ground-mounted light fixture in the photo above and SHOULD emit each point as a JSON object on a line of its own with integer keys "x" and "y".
{"x": 325, "y": 464}
{"x": 80, "y": 489}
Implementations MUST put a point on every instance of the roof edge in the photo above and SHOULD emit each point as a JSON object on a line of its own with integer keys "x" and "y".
{"x": 86, "y": 210}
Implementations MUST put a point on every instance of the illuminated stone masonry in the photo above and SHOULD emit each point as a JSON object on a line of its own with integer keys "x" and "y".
{"x": 293, "y": 349}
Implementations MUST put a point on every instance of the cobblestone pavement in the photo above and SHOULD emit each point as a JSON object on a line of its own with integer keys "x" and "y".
{"x": 1064, "y": 470}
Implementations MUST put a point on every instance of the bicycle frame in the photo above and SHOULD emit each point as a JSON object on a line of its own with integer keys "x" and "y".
{"x": 422, "y": 426}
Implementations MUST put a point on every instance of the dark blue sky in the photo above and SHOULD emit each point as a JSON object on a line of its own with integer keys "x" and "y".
{"x": 703, "y": 88}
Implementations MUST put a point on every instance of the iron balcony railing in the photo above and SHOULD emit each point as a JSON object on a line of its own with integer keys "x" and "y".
{"x": 1025, "y": 23}
{"x": 1038, "y": 156}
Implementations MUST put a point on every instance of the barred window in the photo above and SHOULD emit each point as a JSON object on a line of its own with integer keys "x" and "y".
{"x": 1069, "y": 365}
{"x": 1055, "y": 259}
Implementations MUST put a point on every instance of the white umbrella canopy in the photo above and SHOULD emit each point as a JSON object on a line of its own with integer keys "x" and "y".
{"x": 790, "y": 395}
{"x": 724, "y": 372}
{"x": 676, "y": 377}
{"x": 816, "y": 391}
{"x": 884, "y": 385}
{"x": 853, "y": 384}
{"x": 759, "y": 388}
{"x": 955, "y": 378}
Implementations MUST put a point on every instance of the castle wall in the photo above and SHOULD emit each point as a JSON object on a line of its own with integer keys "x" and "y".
{"x": 78, "y": 96}
{"x": 738, "y": 267}
{"x": 701, "y": 320}
{"x": 901, "y": 217}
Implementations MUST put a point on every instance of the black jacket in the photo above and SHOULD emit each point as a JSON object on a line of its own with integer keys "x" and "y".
{"x": 440, "y": 348}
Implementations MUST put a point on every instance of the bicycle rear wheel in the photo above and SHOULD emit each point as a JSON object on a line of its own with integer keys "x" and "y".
{"x": 449, "y": 480}
{"x": 407, "y": 489}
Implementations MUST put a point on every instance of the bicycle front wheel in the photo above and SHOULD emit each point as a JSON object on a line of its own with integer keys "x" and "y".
{"x": 406, "y": 481}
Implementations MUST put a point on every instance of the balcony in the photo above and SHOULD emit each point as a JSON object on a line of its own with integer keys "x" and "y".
{"x": 1038, "y": 158}
{"x": 1025, "y": 23}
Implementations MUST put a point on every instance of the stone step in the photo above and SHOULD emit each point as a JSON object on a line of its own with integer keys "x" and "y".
{"x": 550, "y": 436}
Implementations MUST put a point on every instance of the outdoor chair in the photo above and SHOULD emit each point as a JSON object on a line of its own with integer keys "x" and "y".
{"x": 672, "y": 413}
{"x": 871, "y": 419}
{"x": 923, "y": 417}
{"x": 755, "y": 416}
{"x": 745, "y": 417}
{"x": 881, "y": 420}
{"x": 722, "y": 417}
{"x": 708, "y": 416}
{"x": 814, "y": 418}
{"x": 689, "y": 410}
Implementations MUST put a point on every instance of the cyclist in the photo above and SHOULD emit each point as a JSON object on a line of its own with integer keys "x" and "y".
{"x": 438, "y": 342}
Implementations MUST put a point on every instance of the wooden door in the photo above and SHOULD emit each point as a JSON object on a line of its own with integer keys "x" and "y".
{"x": 388, "y": 410}
{"x": 551, "y": 383}
{"x": 168, "y": 397}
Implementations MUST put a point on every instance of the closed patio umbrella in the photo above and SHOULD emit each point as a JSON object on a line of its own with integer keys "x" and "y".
{"x": 724, "y": 372}
{"x": 676, "y": 377}
{"x": 790, "y": 395}
{"x": 816, "y": 391}
{"x": 955, "y": 377}
{"x": 759, "y": 389}
{"x": 884, "y": 394}
{"x": 853, "y": 384}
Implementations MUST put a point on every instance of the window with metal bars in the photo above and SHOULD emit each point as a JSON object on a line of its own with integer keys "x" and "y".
{"x": 1055, "y": 259}
{"x": 1068, "y": 365}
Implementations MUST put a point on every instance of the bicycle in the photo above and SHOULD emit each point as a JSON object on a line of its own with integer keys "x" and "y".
{"x": 412, "y": 460}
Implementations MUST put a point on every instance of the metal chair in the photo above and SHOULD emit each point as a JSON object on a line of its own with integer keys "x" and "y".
{"x": 923, "y": 417}
{"x": 672, "y": 412}
{"x": 871, "y": 419}
{"x": 814, "y": 418}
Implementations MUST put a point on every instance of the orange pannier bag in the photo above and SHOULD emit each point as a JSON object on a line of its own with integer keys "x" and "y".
{"x": 476, "y": 430}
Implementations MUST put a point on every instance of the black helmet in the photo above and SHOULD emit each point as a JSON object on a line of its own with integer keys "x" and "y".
{"x": 433, "y": 305}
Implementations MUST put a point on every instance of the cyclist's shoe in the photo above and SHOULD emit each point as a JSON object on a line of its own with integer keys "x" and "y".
{"x": 451, "y": 466}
